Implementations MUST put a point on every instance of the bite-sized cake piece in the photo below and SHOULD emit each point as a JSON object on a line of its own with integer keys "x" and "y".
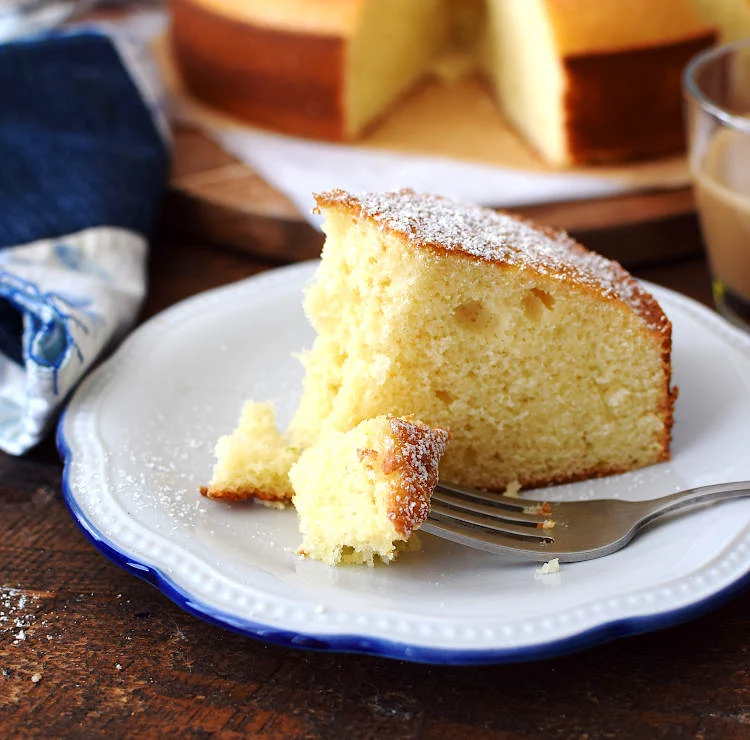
{"x": 360, "y": 493}
{"x": 547, "y": 362}
{"x": 253, "y": 461}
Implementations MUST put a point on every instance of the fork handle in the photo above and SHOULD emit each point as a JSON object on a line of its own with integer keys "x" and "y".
{"x": 694, "y": 498}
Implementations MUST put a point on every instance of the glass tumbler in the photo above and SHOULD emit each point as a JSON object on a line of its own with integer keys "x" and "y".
{"x": 716, "y": 87}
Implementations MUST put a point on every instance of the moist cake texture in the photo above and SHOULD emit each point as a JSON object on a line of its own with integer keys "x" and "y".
{"x": 547, "y": 362}
{"x": 360, "y": 493}
{"x": 253, "y": 461}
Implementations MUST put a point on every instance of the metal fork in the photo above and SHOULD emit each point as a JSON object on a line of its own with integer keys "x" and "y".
{"x": 569, "y": 531}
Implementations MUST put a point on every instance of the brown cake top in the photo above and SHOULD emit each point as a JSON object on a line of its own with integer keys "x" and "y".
{"x": 433, "y": 221}
{"x": 415, "y": 455}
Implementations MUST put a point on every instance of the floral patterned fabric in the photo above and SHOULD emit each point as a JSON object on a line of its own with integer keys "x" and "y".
{"x": 84, "y": 158}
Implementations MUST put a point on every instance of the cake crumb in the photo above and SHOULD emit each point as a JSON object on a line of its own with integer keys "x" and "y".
{"x": 538, "y": 507}
{"x": 552, "y": 566}
{"x": 36, "y": 678}
{"x": 512, "y": 489}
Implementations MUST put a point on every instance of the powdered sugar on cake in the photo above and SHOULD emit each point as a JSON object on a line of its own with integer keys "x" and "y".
{"x": 441, "y": 223}
{"x": 415, "y": 455}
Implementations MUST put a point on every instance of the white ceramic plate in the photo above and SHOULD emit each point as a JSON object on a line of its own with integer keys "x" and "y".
{"x": 138, "y": 438}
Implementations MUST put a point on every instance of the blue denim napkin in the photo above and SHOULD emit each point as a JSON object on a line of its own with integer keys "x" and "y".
{"x": 84, "y": 158}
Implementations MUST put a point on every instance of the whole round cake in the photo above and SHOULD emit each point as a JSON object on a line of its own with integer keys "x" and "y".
{"x": 583, "y": 81}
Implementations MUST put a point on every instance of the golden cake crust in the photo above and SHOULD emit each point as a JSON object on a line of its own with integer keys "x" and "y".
{"x": 243, "y": 494}
{"x": 313, "y": 17}
{"x": 644, "y": 120}
{"x": 415, "y": 456}
{"x": 584, "y": 28}
{"x": 443, "y": 225}
{"x": 282, "y": 78}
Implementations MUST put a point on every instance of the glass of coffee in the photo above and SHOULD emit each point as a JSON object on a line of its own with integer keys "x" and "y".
{"x": 717, "y": 95}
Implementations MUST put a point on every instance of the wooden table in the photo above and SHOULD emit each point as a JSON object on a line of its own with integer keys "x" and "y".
{"x": 87, "y": 649}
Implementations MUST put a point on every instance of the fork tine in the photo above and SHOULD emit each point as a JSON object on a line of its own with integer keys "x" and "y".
{"x": 498, "y": 499}
{"x": 473, "y": 519}
{"x": 530, "y": 513}
{"x": 490, "y": 521}
{"x": 533, "y": 547}
{"x": 588, "y": 529}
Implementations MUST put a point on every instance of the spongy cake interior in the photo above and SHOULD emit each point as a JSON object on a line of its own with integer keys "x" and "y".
{"x": 253, "y": 461}
{"x": 527, "y": 73}
{"x": 538, "y": 378}
{"x": 394, "y": 43}
{"x": 354, "y": 504}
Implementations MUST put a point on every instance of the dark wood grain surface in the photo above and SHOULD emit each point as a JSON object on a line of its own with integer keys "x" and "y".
{"x": 88, "y": 650}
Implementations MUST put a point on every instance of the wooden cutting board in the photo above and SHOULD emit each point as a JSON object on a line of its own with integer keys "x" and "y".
{"x": 215, "y": 197}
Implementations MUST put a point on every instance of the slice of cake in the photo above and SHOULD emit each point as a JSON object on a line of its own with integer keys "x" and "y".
{"x": 253, "y": 462}
{"x": 360, "y": 493}
{"x": 547, "y": 362}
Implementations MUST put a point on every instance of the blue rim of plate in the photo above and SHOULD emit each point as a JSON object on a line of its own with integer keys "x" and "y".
{"x": 358, "y": 644}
